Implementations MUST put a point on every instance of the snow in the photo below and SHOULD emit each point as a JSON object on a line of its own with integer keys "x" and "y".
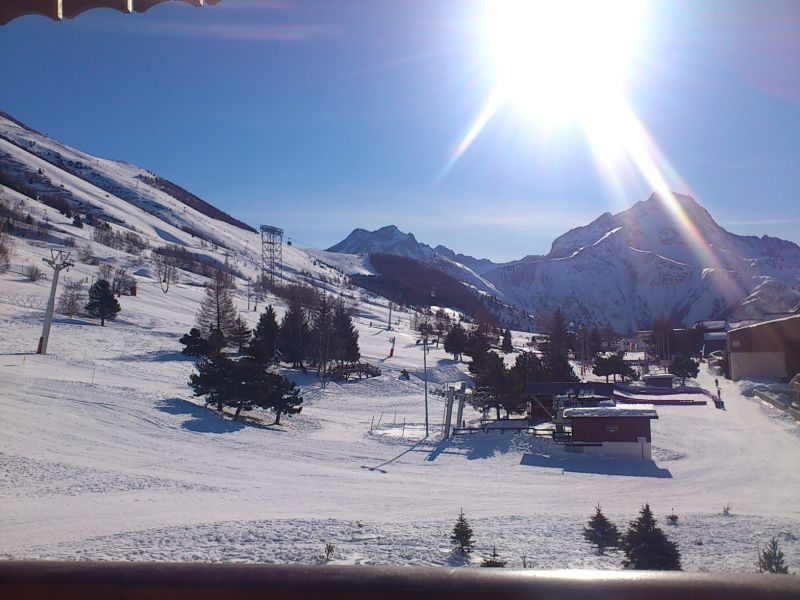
{"x": 642, "y": 410}
{"x": 106, "y": 455}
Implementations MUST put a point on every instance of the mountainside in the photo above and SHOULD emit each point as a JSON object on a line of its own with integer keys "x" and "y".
{"x": 627, "y": 269}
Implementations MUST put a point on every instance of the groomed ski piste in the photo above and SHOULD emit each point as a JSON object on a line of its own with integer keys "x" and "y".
{"x": 106, "y": 455}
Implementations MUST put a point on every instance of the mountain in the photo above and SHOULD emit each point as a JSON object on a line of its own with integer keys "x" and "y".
{"x": 625, "y": 270}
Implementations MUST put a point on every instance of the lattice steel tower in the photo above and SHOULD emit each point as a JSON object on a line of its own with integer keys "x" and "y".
{"x": 271, "y": 251}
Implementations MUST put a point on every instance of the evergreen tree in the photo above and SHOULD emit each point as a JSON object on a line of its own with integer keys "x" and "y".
{"x": 646, "y": 546}
{"x": 213, "y": 380}
{"x": 601, "y": 532}
{"x": 683, "y": 367}
{"x": 76, "y": 221}
{"x": 102, "y": 304}
{"x": 216, "y": 309}
{"x": 195, "y": 344}
{"x": 455, "y": 342}
{"x": 507, "y": 346}
{"x": 216, "y": 342}
{"x": 286, "y": 399}
{"x": 555, "y": 351}
{"x": 602, "y": 367}
{"x": 461, "y": 537}
{"x": 347, "y": 350}
{"x": 770, "y": 559}
{"x": 264, "y": 343}
{"x": 493, "y": 560}
{"x": 293, "y": 335}
{"x": 241, "y": 333}
{"x": 527, "y": 369}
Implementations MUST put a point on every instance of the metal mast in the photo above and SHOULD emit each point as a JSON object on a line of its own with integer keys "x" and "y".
{"x": 58, "y": 260}
{"x": 271, "y": 251}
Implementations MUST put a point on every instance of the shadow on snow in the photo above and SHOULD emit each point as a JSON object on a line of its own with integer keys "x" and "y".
{"x": 203, "y": 420}
{"x": 601, "y": 465}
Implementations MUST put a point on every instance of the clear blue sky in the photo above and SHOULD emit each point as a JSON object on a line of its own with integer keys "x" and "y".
{"x": 323, "y": 116}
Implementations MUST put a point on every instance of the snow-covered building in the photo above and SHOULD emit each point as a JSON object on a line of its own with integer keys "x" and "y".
{"x": 661, "y": 380}
{"x": 768, "y": 350}
{"x": 617, "y": 430}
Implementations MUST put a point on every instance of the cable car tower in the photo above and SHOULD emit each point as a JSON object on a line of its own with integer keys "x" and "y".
{"x": 271, "y": 251}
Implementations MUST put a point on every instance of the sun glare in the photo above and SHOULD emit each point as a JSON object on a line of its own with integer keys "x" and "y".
{"x": 558, "y": 60}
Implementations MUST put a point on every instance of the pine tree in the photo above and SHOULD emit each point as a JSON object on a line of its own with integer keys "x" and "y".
{"x": 241, "y": 333}
{"x": 102, "y": 304}
{"x": 770, "y": 559}
{"x": 213, "y": 380}
{"x": 293, "y": 335}
{"x": 683, "y": 367}
{"x": 508, "y": 346}
{"x": 216, "y": 309}
{"x": 455, "y": 342}
{"x": 264, "y": 343}
{"x": 461, "y": 537}
{"x": 601, "y": 532}
{"x": 493, "y": 560}
{"x": 195, "y": 344}
{"x": 286, "y": 399}
{"x": 347, "y": 350}
{"x": 647, "y": 547}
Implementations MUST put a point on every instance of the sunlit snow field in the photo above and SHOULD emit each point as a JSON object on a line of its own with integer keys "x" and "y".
{"x": 106, "y": 455}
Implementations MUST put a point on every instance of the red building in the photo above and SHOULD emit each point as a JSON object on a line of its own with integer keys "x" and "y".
{"x": 617, "y": 430}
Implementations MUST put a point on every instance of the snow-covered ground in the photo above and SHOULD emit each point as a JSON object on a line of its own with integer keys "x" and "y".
{"x": 105, "y": 455}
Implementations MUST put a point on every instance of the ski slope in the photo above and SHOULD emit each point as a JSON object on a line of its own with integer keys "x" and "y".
{"x": 105, "y": 455}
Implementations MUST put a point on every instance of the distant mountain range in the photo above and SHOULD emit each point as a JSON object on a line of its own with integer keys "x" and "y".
{"x": 621, "y": 270}
{"x": 626, "y": 270}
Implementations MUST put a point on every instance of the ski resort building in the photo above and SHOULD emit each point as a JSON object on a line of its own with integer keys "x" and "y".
{"x": 614, "y": 430}
{"x": 768, "y": 350}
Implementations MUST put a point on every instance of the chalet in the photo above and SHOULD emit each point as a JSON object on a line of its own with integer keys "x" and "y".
{"x": 768, "y": 350}
{"x": 614, "y": 430}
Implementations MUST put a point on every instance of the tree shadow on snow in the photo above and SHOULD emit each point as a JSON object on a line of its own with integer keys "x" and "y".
{"x": 157, "y": 356}
{"x": 203, "y": 419}
{"x": 605, "y": 465}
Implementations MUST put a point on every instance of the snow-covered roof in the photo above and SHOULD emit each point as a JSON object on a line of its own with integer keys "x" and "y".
{"x": 641, "y": 410}
{"x": 715, "y": 336}
{"x": 634, "y": 356}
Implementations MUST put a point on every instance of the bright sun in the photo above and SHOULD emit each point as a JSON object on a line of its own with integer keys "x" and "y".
{"x": 562, "y": 60}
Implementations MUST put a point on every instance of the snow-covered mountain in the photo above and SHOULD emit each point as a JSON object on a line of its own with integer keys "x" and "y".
{"x": 625, "y": 270}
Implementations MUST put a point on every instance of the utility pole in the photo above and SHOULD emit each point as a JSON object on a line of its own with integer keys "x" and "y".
{"x": 58, "y": 260}
{"x": 389, "y": 328}
{"x": 248, "y": 293}
{"x": 425, "y": 370}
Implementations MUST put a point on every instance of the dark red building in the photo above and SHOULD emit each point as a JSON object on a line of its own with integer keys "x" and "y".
{"x": 618, "y": 430}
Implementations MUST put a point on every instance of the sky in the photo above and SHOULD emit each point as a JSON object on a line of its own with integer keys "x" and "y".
{"x": 323, "y": 116}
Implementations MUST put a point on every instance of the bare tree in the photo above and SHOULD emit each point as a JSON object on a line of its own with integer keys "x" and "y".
{"x": 34, "y": 273}
{"x": 166, "y": 271}
{"x": 72, "y": 298}
{"x": 6, "y": 248}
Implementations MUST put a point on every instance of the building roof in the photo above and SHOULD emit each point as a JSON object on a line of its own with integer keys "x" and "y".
{"x": 647, "y": 411}
{"x": 634, "y": 356}
{"x": 563, "y": 388}
{"x": 659, "y": 376}
{"x": 715, "y": 336}
{"x": 712, "y": 325}
{"x": 770, "y": 323}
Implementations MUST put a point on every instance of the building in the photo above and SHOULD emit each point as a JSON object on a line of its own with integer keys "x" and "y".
{"x": 615, "y": 430}
{"x": 768, "y": 350}
{"x": 543, "y": 398}
{"x": 714, "y": 341}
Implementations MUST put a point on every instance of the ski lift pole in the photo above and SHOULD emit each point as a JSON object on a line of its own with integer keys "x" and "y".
{"x": 425, "y": 378}
{"x": 58, "y": 260}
